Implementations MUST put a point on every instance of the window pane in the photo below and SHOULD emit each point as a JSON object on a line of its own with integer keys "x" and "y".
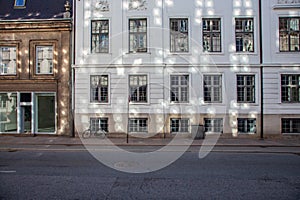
{"x": 99, "y": 88}
{"x": 20, "y": 3}
{"x": 100, "y": 36}
{"x": 7, "y": 60}
{"x": 44, "y": 58}
{"x": 179, "y": 88}
{"x": 138, "y": 88}
{"x": 179, "y": 35}
{"x": 211, "y": 35}
{"x": 137, "y": 35}
{"x": 246, "y": 88}
{"x": 8, "y": 112}
{"x": 289, "y": 33}
{"x": 179, "y": 125}
{"x": 212, "y": 88}
{"x": 138, "y": 125}
{"x": 244, "y": 35}
{"x": 290, "y": 88}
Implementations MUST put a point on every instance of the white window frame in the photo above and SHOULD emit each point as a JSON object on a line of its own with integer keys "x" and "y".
{"x": 188, "y": 34}
{"x": 132, "y": 51}
{"x": 13, "y": 61}
{"x": 290, "y": 86}
{"x": 213, "y": 126}
{"x": 291, "y": 122}
{"x": 254, "y": 92}
{"x": 244, "y": 32}
{"x": 96, "y": 124}
{"x": 180, "y": 128}
{"x": 289, "y": 39}
{"x": 188, "y": 89}
{"x": 246, "y": 122}
{"x": 147, "y": 90}
{"x": 138, "y": 128}
{"x": 212, "y": 87}
{"x": 108, "y": 89}
{"x": 211, "y": 32}
{"x": 51, "y": 60}
{"x": 99, "y": 34}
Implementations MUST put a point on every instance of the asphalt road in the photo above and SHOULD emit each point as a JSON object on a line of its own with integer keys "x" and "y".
{"x": 76, "y": 174}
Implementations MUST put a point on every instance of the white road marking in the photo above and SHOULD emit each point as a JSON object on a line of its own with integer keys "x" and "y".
{"x": 6, "y": 172}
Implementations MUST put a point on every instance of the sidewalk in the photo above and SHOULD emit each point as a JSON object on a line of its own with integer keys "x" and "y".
{"x": 69, "y": 141}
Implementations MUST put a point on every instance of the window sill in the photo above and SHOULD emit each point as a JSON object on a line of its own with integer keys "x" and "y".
{"x": 213, "y": 133}
{"x": 139, "y": 103}
{"x": 101, "y": 53}
{"x": 8, "y": 74}
{"x": 179, "y": 53}
{"x": 246, "y": 133}
{"x": 181, "y": 133}
{"x": 177, "y": 103}
{"x": 289, "y": 103}
{"x": 138, "y": 53}
{"x": 288, "y": 52}
{"x": 99, "y": 103}
{"x": 213, "y": 103}
{"x": 241, "y": 104}
{"x": 246, "y": 53}
{"x": 286, "y": 134}
{"x": 213, "y": 53}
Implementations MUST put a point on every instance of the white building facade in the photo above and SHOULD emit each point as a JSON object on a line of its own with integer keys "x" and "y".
{"x": 159, "y": 67}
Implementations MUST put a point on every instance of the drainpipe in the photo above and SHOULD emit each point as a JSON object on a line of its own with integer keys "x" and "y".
{"x": 73, "y": 20}
{"x": 261, "y": 73}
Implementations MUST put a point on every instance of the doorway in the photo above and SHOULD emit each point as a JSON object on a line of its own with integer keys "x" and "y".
{"x": 26, "y": 119}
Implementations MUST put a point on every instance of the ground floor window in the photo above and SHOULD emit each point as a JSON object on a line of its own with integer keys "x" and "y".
{"x": 246, "y": 125}
{"x": 8, "y": 112}
{"x": 213, "y": 125}
{"x": 290, "y": 125}
{"x": 138, "y": 125}
{"x": 179, "y": 125}
{"x": 99, "y": 124}
{"x": 45, "y": 113}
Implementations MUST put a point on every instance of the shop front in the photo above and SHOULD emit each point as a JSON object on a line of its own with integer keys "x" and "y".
{"x": 28, "y": 112}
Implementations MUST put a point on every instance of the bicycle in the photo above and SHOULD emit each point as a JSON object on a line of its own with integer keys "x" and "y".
{"x": 97, "y": 133}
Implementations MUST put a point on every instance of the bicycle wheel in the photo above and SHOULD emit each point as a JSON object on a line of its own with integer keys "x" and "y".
{"x": 86, "y": 134}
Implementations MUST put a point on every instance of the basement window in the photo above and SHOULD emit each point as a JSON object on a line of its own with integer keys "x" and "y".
{"x": 20, "y": 3}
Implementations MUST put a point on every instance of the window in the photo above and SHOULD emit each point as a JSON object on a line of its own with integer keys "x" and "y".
{"x": 7, "y": 60}
{"x": 99, "y": 124}
{"x": 100, "y": 36}
{"x": 179, "y": 88}
{"x": 246, "y": 125}
{"x": 214, "y": 125}
{"x": 244, "y": 35}
{"x": 20, "y": 3}
{"x": 44, "y": 59}
{"x": 212, "y": 88}
{"x": 290, "y": 88}
{"x": 137, "y": 35}
{"x": 246, "y": 88}
{"x": 138, "y": 125}
{"x": 179, "y": 35}
{"x": 8, "y": 112}
{"x": 290, "y": 125}
{"x": 289, "y": 34}
{"x": 138, "y": 88}
{"x": 211, "y": 35}
{"x": 179, "y": 125}
{"x": 99, "y": 88}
